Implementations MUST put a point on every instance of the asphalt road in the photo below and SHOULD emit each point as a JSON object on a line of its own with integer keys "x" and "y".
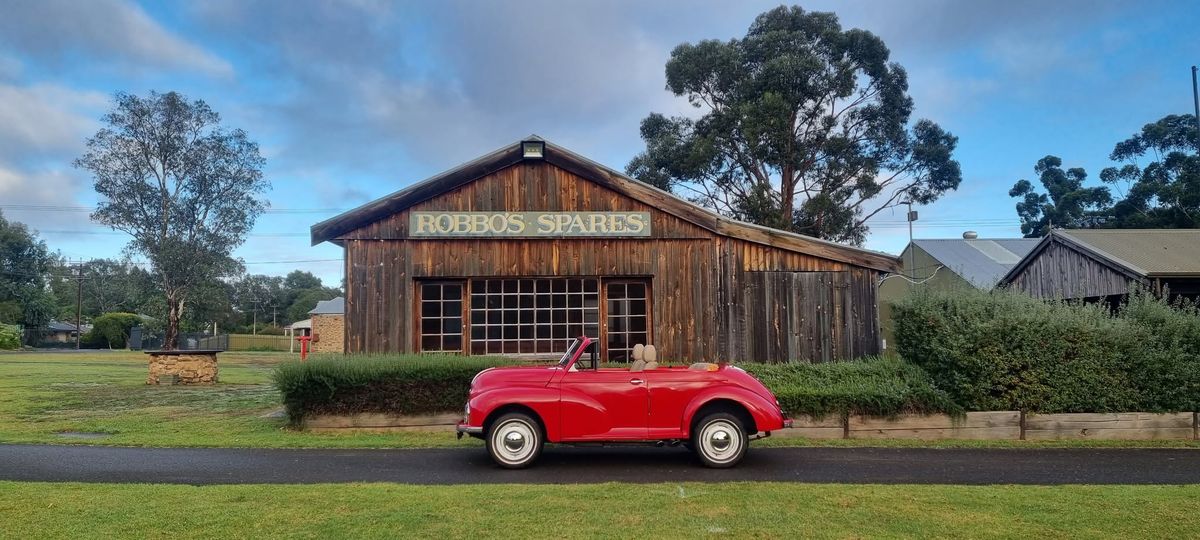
{"x": 569, "y": 465}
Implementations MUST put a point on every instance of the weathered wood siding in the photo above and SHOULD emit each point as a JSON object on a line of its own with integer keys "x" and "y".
{"x": 1060, "y": 271}
{"x": 692, "y": 270}
{"x": 805, "y": 316}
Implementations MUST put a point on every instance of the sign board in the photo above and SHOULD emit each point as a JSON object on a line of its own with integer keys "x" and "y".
{"x": 529, "y": 224}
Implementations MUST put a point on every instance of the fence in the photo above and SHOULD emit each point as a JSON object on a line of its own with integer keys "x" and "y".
{"x": 245, "y": 342}
{"x": 194, "y": 341}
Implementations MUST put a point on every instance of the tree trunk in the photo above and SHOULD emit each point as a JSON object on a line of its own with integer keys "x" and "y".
{"x": 174, "y": 314}
{"x": 787, "y": 192}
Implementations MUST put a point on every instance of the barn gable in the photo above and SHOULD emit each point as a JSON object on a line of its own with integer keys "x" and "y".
{"x": 1061, "y": 267}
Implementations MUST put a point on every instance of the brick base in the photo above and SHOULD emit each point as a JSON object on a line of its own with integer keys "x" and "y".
{"x": 192, "y": 367}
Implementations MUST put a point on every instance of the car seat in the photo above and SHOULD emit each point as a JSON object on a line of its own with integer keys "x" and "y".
{"x": 651, "y": 356}
{"x": 639, "y": 362}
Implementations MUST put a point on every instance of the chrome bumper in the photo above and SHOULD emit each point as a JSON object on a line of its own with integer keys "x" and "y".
{"x": 463, "y": 428}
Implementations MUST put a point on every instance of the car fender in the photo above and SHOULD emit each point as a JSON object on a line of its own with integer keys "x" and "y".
{"x": 766, "y": 414}
{"x": 543, "y": 401}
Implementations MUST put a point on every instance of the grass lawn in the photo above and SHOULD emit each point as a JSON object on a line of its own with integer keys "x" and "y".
{"x": 774, "y": 510}
{"x": 45, "y": 397}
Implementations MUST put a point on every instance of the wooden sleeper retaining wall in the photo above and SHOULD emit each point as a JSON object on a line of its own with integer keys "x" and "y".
{"x": 985, "y": 425}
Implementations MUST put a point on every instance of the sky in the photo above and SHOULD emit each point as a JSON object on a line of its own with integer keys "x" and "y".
{"x": 354, "y": 99}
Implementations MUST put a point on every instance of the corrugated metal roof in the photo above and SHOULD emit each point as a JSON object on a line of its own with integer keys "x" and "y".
{"x": 1149, "y": 252}
{"x": 337, "y": 306}
{"x": 56, "y": 326}
{"x": 981, "y": 262}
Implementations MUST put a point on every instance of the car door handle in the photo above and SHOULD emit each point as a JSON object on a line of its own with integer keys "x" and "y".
{"x": 636, "y": 381}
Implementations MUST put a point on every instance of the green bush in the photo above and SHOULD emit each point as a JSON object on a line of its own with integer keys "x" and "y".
{"x": 111, "y": 330}
{"x": 1004, "y": 350}
{"x": 415, "y": 384}
{"x": 404, "y": 384}
{"x": 871, "y": 386}
{"x": 10, "y": 337}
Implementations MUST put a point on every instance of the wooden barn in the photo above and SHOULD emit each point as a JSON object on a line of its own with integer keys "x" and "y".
{"x": 1106, "y": 264}
{"x": 522, "y": 249}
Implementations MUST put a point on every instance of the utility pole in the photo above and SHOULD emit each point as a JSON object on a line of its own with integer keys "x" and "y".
{"x": 912, "y": 250}
{"x": 1196, "y": 104}
{"x": 78, "y": 302}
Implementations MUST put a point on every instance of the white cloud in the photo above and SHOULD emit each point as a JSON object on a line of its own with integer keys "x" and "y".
{"x": 53, "y": 30}
{"x": 45, "y": 120}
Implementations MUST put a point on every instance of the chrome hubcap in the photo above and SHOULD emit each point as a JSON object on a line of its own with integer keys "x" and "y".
{"x": 514, "y": 442}
{"x": 721, "y": 441}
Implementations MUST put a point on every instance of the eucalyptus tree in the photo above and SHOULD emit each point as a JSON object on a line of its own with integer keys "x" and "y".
{"x": 1160, "y": 177}
{"x": 186, "y": 189}
{"x": 802, "y": 126}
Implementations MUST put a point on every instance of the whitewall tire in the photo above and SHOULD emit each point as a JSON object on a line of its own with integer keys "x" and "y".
{"x": 514, "y": 441}
{"x": 719, "y": 440}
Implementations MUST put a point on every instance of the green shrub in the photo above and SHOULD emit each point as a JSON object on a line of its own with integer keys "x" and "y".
{"x": 10, "y": 337}
{"x": 416, "y": 384}
{"x": 111, "y": 330}
{"x": 1004, "y": 350}
{"x": 871, "y": 386}
{"x": 404, "y": 384}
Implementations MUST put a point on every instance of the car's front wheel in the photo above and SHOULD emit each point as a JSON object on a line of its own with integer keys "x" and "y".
{"x": 719, "y": 440}
{"x": 514, "y": 440}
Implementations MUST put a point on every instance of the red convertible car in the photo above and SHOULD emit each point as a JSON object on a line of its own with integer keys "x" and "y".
{"x": 714, "y": 409}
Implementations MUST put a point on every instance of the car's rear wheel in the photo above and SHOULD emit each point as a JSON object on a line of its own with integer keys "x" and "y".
{"x": 514, "y": 440}
{"x": 719, "y": 440}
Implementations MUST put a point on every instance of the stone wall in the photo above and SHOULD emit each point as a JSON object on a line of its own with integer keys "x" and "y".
{"x": 192, "y": 367}
{"x": 330, "y": 334}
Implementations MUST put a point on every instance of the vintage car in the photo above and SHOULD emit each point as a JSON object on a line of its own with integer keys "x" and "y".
{"x": 715, "y": 409}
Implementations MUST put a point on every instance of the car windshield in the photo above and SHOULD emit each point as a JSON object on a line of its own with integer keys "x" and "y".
{"x": 566, "y": 358}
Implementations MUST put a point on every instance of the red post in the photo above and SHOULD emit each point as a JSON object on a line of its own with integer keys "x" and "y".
{"x": 304, "y": 346}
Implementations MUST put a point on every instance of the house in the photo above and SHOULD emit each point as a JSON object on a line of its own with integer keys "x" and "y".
{"x": 327, "y": 326}
{"x": 949, "y": 263}
{"x": 1106, "y": 264}
{"x": 60, "y": 332}
{"x": 520, "y": 250}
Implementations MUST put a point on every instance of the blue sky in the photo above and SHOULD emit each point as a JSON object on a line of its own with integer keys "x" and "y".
{"x": 354, "y": 99}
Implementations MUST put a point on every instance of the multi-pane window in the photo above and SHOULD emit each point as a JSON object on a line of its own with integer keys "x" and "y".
{"x": 627, "y": 318}
{"x": 441, "y": 316}
{"x": 535, "y": 315}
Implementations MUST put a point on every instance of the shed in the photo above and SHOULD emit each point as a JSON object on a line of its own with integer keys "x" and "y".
{"x": 328, "y": 326}
{"x": 522, "y": 249}
{"x": 1105, "y": 264}
{"x": 950, "y": 263}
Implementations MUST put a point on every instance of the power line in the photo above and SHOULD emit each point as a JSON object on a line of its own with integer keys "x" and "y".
{"x": 118, "y": 233}
{"x": 69, "y": 208}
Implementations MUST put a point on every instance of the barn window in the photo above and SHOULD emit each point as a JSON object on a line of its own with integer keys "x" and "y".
{"x": 441, "y": 316}
{"x": 628, "y": 318}
{"x": 538, "y": 315}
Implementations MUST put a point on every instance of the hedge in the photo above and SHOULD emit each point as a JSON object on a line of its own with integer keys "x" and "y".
{"x": 417, "y": 384}
{"x": 870, "y": 386}
{"x": 404, "y": 384}
{"x": 10, "y": 337}
{"x": 1006, "y": 351}
{"x": 111, "y": 330}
